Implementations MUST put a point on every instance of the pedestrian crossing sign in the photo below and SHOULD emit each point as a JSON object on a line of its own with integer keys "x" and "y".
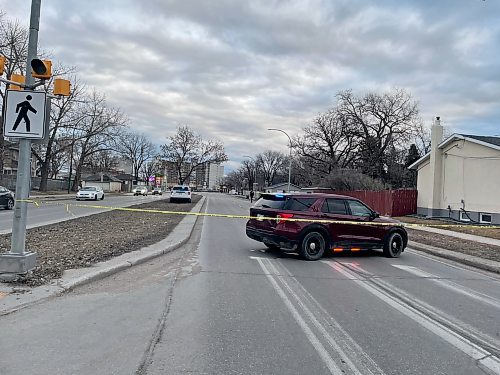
{"x": 24, "y": 115}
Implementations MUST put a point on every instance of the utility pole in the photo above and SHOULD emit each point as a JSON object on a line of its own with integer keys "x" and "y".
{"x": 18, "y": 260}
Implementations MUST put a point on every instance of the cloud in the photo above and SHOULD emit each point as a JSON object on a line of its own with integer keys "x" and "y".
{"x": 232, "y": 69}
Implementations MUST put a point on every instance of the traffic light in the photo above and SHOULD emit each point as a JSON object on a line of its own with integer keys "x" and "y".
{"x": 2, "y": 64}
{"x": 41, "y": 69}
{"x": 62, "y": 87}
{"x": 17, "y": 78}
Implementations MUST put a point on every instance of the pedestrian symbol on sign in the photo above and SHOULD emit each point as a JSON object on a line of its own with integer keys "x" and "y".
{"x": 23, "y": 108}
{"x": 25, "y": 114}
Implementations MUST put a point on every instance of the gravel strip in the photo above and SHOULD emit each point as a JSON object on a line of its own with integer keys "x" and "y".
{"x": 485, "y": 251}
{"x": 87, "y": 240}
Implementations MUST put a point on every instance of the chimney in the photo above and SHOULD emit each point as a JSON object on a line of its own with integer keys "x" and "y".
{"x": 436, "y": 165}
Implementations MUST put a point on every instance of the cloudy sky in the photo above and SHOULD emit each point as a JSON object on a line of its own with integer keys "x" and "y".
{"x": 231, "y": 69}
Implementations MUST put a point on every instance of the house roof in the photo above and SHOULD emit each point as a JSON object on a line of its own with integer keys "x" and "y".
{"x": 106, "y": 177}
{"x": 125, "y": 177}
{"x": 488, "y": 141}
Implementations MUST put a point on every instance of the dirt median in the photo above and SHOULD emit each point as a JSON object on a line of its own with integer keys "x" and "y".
{"x": 81, "y": 242}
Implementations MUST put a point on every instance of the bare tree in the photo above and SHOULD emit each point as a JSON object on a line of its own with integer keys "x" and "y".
{"x": 249, "y": 172}
{"x": 234, "y": 179}
{"x": 95, "y": 126}
{"x": 381, "y": 121}
{"x": 270, "y": 162}
{"x": 152, "y": 167}
{"x": 137, "y": 149}
{"x": 101, "y": 161}
{"x": 187, "y": 150}
{"x": 64, "y": 115}
{"x": 329, "y": 142}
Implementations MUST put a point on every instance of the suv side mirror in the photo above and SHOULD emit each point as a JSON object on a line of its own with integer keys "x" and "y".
{"x": 375, "y": 215}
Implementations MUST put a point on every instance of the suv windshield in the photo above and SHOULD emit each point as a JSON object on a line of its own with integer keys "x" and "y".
{"x": 89, "y": 188}
{"x": 181, "y": 188}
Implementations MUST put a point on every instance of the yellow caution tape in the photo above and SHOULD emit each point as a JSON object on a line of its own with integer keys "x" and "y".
{"x": 259, "y": 218}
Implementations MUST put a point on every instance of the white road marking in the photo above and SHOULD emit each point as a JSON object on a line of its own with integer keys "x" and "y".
{"x": 341, "y": 336}
{"x": 483, "y": 357}
{"x": 313, "y": 339}
{"x": 461, "y": 268}
{"x": 451, "y": 285}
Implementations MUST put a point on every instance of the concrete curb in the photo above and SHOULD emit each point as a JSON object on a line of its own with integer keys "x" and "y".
{"x": 470, "y": 260}
{"x": 81, "y": 276}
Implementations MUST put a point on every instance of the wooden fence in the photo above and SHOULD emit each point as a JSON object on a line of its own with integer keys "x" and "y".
{"x": 398, "y": 202}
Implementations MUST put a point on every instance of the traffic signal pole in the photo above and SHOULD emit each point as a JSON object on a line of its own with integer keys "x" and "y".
{"x": 18, "y": 260}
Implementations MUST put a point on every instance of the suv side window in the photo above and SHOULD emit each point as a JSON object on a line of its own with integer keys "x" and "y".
{"x": 299, "y": 204}
{"x": 334, "y": 206}
{"x": 359, "y": 209}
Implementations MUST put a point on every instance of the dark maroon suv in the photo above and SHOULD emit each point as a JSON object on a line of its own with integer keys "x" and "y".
{"x": 311, "y": 237}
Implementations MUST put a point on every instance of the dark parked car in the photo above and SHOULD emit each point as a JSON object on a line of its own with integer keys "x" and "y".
{"x": 312, "y": 238}
{"x": 6, "y": 198}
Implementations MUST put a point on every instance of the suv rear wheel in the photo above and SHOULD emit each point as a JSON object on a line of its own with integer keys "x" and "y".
{"x": 313, "y": 246}
{"x": 393, "y": 246}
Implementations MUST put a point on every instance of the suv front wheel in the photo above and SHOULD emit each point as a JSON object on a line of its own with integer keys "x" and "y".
{"x": 312, "y": 246}
{"x": 394, "y": 245}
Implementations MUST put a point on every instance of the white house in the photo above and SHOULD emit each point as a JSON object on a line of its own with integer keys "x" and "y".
{"x": 460, "y": 177}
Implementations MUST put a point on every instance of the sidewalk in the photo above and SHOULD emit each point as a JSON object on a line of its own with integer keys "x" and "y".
{"x": 19, "y": 297}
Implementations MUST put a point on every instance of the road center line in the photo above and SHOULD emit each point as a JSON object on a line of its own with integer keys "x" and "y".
{"x": 483, "y": 357}
{"x": 451, "y": 285}
{"x": 313, "y": 339}
{"x": 337, "y": 334}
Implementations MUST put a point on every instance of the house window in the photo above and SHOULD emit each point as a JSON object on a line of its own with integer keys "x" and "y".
{"x": 484, "y": 218}
{"x": 463, "y": 216}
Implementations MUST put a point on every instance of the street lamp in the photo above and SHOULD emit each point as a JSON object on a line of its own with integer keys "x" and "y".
{"x": 290, "y": 157}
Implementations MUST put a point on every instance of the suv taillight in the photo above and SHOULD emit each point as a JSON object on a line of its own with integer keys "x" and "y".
{"x": 282, "y": 217}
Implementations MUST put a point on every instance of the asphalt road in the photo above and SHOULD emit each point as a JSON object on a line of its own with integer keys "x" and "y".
{"x": 223, "y": 305}
{"x": 54, "y": 211}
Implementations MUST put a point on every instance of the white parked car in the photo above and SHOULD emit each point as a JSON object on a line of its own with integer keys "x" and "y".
{"x": 90, "y": 192}
{"x": 180, "y": 193}
{"x": 140, "y": 190}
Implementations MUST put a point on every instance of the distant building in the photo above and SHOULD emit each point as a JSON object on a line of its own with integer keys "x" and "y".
{"x": 209, "y": 176}
{"x": 11, "y": 159}
{"x": 172, "y": 174}
{"x": 108, "y": 182}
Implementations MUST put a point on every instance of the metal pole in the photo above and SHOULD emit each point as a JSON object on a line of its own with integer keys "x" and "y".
{"x": 24, "y": 166}
{"x": 70, "y": 165}
{"x": 290, "y": 157}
